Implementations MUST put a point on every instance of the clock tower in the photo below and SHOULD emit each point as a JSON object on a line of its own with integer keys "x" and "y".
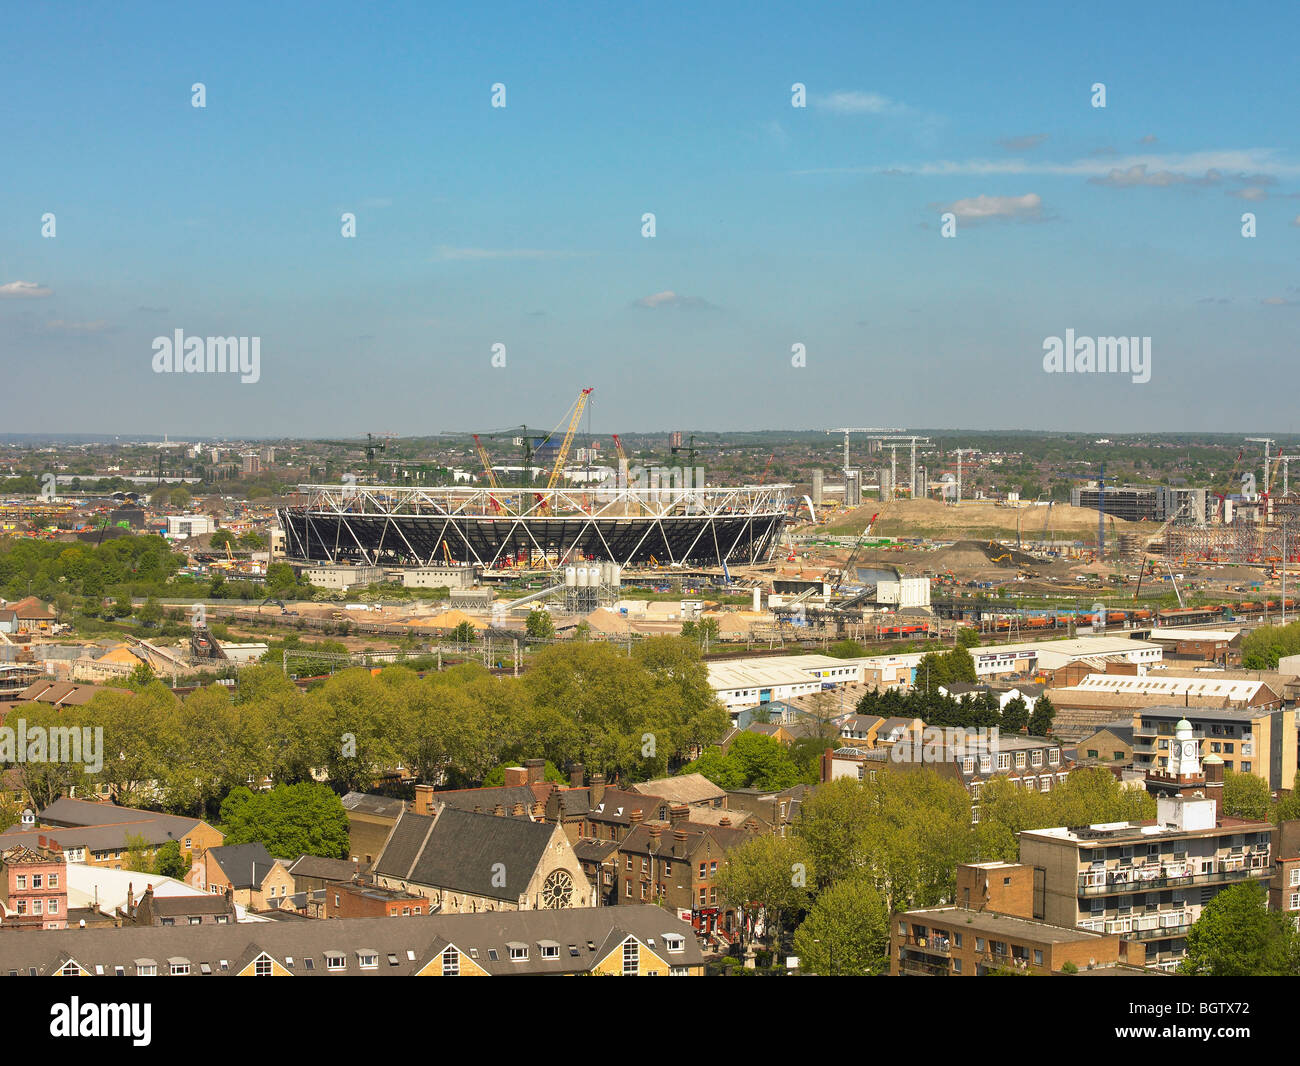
{"x": 1183, "y": 775}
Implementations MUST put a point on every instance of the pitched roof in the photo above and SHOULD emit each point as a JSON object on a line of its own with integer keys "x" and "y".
{"x": 403, "y": 946}
{"x": 686, "y": 788}
{"x": 324, "y": 869}
{"x": 245, "y": 864}
{"x": 368, "y": 803}
{"x": 464, "y": 852}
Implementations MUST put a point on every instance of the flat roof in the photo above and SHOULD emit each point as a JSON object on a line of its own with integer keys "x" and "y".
{"x": 961, "y": 918}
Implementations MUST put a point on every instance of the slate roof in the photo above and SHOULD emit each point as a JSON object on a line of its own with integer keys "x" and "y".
{"x": 325, "y": 869}
{"x": 245, "y": 864}
{"x": 368, "y": 803}
{"x": 403, "y": 945}
{"x": 460, "y": 851}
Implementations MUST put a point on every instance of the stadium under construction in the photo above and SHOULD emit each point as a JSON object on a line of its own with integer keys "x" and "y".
{"x": 502, "y": 528}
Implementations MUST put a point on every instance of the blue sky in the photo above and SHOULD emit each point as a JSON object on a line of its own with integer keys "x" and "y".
{"x": 522, "y": 225}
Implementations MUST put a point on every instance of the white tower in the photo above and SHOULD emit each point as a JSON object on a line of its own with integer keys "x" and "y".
{"x": 1185, "y": 756}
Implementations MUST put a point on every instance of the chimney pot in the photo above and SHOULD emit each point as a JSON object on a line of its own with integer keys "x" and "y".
{"x": 499, "y": 811}
{"x": 634, "y": 815}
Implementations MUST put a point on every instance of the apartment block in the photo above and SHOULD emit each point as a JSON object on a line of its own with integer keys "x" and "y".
{"x": 1249, "y": 740}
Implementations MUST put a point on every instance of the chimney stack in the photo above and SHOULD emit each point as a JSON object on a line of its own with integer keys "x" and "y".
{"x": 724, "y": 822}
{"x": 656, "y": 831}
{"x": 575, "y": 775}
{"x": 517, "y": 810}
{"x": 679, "y": 843}
{"x": 597, "y": 789}
{"x": 499, "y": 811}
{"x": 536, "y": 771}
{"x": 679, "y": 813}
{"x": 634, "y": 816}
{"x": 423, "y": 799}
{"x": 516, "y": 776}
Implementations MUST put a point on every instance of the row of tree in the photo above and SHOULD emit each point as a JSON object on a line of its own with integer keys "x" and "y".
{"x": 631, "y": 717}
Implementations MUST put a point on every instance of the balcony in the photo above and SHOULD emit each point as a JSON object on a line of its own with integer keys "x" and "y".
{"x": 931, "y": 943}
{"x": 908, "y": 967}
{"x": 1115, "y": 883}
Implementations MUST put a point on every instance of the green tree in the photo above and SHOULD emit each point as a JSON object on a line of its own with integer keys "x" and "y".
{"x": 223, "y": 539}
{"x": 968, "y": 637}
{"x": 122, "y": 607}
{"x": 138, "y": 857}
{"x": 464, "y": 633}
{"x": 1015, "y": 716}
{"x": 1245, "y": 796}
{"x": 1040, "y": 722}
{"x": 1238, "y": 936}
{"x": 846, "y": 933}
{"x": 539, "y": 624}
{"x": 766, "y": 880}
{"x": 141, "y": 676}
{"x": 151, "y": 613}
{"x": 171, "y": 861}
{"x": 290, "y": 820}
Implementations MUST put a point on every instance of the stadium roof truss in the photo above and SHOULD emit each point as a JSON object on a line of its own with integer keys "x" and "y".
{"x": 374, "y": 524}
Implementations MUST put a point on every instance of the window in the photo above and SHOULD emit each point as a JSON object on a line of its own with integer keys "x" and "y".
{"x": 262, "y": 967}
{"x": 956, "y": 939}
{"x": 54, "y": 880}
{"x": 550, "y": 951}
{"x": 1295, "y": 876}
{"x": 713, "y": 869}
{"x": 22, "y": 881}
{"x": 1004, "y": 760}
{"x": 956, "y": 965}
{"x": 674, "y": 942}
{"x": 145, "y": 968}
{"x": 1054, "y": 758}
{"x": 37, "y": 904}
{"x": 451, "y": 963}
{"x": 368, "y": 960}
{"x": 335, "y": 961}
{"x": 36, "y": 880}
{"x": 51, "y": 906}
{"x": 518, "y": 952}
{"x": 629, "y": 862}
{"x": 631, "y": 958}
{"x": 1020, "y": 760}
{"x": 629, "y": 889}
{"x": 180, "y": 969}
{"x": 1038, "y": 957}
{"x": 70, "y": 969}
{"x": 703, "y": 870}
{"x": 979, "y": 943}
{"x": 1294, "y": 905}
{"x": 1036, "y": 758}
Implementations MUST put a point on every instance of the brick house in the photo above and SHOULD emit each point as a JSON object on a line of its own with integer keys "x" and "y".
{"x": 34, "y": 884}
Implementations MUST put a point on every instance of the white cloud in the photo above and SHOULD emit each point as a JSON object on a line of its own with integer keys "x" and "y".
{"x": 1252, "y": 192}
{"x": 852, "y": 102}
{"x": 1207, "y": 167}
{"x": 21, "y": 290}
{"x": 668, "y": 298}
{"x": 980, "y": 208}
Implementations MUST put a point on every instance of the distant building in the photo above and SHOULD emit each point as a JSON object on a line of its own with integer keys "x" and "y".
{"x": 33, "y": 888}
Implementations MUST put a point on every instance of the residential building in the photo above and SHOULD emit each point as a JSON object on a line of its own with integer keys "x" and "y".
{"x": 1259, "y": 741}
{"x": 361, "y": 899}
{"x": 604, "y": 941}
{"x": 33, "y": 887}
{"x": 676, "y": 864}
{"x": 248, "y": 871}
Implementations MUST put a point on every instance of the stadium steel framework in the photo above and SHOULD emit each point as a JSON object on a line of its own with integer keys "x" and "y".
{"x": 496, "y": 528}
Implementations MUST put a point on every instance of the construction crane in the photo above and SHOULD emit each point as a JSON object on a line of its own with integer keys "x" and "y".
{"x": 853, "y": 555}
{"x": 1146, "y": 548}
{"x": 622, "y": 461}
{"x": 563, "y": 453}
{"x": 767, "y": 468}
{"x": 692, "y": 452}
{"x": 491, "y": 475}
{"x": 1267, "y": 442}
{"x": 373, "y": 444}
{"x": 848, "y": 431}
